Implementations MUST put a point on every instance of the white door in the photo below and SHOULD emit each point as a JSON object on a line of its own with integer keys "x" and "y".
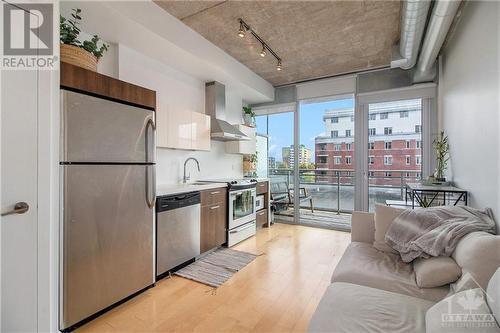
{"x": 19, "y": 119}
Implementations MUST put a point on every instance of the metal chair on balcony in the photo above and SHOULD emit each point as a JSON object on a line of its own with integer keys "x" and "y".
{"x": 282, "y": 195}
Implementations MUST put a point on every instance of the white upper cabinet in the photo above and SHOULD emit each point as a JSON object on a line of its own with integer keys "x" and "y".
{"x": 243, "y": 147}
{"x": 183, "y": 130}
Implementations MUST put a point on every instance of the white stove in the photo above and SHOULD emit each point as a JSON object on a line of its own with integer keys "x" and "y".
{"x": 242, "y": 195}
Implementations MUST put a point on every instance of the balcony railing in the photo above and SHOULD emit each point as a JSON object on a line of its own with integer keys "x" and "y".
{"x": 333, "y": 189}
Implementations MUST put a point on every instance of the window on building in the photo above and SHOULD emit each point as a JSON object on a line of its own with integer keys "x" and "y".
{"x": 418, "y": 175}
{"x": 348, "y": 133}
{"x": 388, "y": 174}
{"x": 336, "y": 173}
{"x": 335, "y": 134}
{"x": 387, "y": 130}
{"x": 371, "y": 159}
{"x": 348, "y": 146}
{"x": 388, "y": 160}
{"x": 322, "y": 159}
{"x": 418, "y": 160}
{"x": 352, "y": 119}
{"x": 418, "y": 128}
{"x": 371, "y": 145}
{"x": 348, "y": 173}
{"x": 403, "y": 114}
{"x": 419, "y": 144}
{"x": 384, "y": 115}
{"x": 335, "y": 120}
{"x": 408, "y": 175}
{"x": 373, "y": 116}
{"x": 371, "y": 174}
{"x": 372, "y": 131}
{"x": 388, "y": 145}
{"x": 337, "y": 147}
{"x": 408, "y": 159}
{"x": 348, "y": 160}
{"x": 408, "y": 144}
{"x": 337, "y": 160}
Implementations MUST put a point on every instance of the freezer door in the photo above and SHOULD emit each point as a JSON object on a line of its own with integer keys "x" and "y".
{"x": 99, "y": 130}
{"x": 107, "y": 245}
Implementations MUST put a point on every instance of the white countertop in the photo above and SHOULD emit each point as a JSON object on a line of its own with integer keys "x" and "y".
{"x": 169, "y": 189}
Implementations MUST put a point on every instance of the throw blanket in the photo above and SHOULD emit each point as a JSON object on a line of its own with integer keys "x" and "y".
{"x": 435, "y": 231}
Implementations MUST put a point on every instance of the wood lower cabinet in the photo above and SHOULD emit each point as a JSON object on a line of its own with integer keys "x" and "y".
{"x": 213, "y": 219}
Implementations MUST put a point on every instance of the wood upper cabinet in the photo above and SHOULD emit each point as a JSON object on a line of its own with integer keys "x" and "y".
{"x": 213, "y": 231}
{"x": 183, "y": 130}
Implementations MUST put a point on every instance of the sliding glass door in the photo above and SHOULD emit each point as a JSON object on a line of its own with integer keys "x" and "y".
{"x": 394, "y": 149}
{"x": 278, "y": 129}
{"x": 326, "y": 161}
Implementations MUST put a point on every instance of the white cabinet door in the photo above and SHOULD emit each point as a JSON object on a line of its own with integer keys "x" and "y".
{"x": 179, "y": 130}
{"x": 19, "y": 233}
{"x": 243, "y": 147}
{"x": 200, "y": 131}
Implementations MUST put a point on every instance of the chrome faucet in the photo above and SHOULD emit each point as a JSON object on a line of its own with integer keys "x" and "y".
{"x": 186, "y": 178}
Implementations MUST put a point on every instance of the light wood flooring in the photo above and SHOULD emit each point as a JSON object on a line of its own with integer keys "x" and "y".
{"x": 277, "y": 292}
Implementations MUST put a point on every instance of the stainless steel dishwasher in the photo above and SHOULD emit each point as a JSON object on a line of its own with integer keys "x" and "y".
{"x": 177, "y": 230}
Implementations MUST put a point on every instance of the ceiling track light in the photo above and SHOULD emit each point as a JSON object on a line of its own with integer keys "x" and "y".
{"x": 244, "y": 27}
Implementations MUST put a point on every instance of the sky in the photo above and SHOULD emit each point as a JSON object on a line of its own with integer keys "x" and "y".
{"x": 311, "y": 125}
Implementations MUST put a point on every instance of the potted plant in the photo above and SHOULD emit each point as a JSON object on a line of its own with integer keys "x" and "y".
{"x": 248, "y": 116}
{"x": 249, "y": 164}
{"x": 442, "y": 148}
{"x": 84, "y": 54}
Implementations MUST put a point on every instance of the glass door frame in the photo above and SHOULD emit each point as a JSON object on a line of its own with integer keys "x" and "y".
{"x": 430, "y": 128}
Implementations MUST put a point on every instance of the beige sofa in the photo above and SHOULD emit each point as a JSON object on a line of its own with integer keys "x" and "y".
{"x": 375, "y": 291}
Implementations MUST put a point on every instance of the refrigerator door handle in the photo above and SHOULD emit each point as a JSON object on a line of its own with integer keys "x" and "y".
{"x": 150, "y": 187}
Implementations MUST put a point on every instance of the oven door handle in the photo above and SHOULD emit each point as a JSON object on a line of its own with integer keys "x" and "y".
{"x": 233, "y": 193}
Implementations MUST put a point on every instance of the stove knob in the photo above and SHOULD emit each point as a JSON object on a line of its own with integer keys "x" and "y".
{"x": 234, "y": 182}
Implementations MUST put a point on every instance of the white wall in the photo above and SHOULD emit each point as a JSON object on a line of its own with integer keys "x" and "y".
{"x": 469, "y": 99}
{"x": 179, "y": 92}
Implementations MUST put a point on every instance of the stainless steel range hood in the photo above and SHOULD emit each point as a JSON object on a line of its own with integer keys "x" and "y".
{"x": 215, "y": 107}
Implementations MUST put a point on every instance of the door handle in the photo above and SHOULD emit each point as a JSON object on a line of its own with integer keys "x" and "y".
{"x": 19, "y": 208}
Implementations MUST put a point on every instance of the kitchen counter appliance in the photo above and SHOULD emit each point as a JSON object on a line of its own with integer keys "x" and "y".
{"x": 242, "y": 215}
{"x": 177, "y": 231}
{"x": 107, "y": 171}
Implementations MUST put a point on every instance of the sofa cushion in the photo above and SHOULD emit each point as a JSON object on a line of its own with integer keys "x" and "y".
{"x": 348, "y": 307}
{"x": 363, "y": 264}
{"x": 478, "y": 253}
{"x": 465, "y": 311}
{"x": 493, "y": 293}
{"x": 436, "y": 271}
{"x": 384, "y": 215}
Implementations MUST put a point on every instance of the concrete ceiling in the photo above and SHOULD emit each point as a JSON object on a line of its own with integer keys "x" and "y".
{"x": 314, "y": 38}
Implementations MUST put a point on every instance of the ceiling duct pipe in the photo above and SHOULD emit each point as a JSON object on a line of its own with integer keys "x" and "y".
{"x": 442, "y": 17}
{"x": 413, "y": 19}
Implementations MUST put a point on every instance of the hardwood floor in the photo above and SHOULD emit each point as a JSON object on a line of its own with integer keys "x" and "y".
{"x": 277, "y": 292}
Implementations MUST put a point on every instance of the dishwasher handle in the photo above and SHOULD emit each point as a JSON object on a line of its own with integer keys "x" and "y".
{"x": 170, "y": 202}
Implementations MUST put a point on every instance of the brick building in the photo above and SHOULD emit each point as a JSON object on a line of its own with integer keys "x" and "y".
{"x": 394, "y": 148}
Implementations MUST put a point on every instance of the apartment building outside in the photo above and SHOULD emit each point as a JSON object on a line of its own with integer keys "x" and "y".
{"x": 394, "y": 148}
{"x": 288, "y": 155}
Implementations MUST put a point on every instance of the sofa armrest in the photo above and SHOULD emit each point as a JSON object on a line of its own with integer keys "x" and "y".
{"x": 362, "y": 227}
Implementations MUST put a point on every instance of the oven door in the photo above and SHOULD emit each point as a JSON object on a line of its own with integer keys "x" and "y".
{"x": 241, "y": 207}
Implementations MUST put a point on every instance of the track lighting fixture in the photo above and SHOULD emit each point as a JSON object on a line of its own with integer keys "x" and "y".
{"x": 244, "y": 27}
{"x": 263, "y": 52}
{"x": 241, "y": 32}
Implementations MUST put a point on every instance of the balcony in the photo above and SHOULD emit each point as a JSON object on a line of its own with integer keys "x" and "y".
{"x": 332, "y": 191}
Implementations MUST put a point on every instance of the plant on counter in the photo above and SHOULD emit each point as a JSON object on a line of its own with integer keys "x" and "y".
{"x": 442, "y": 147}
{"x": 248, "y": 116}
{"x": 84, "y": 54}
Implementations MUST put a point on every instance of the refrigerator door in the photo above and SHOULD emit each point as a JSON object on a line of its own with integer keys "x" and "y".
{"x": 99, "y": 130}
{"x": 107, "y": 237}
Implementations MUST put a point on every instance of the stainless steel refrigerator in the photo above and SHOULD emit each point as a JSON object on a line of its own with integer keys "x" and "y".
{"x": 108, "y": 195}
